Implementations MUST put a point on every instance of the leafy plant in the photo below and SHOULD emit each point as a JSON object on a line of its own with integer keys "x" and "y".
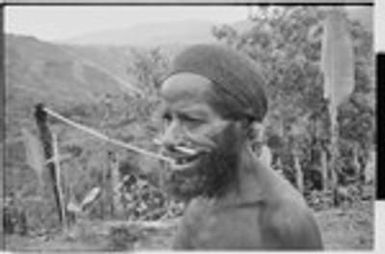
{"x": 286, "y": 43}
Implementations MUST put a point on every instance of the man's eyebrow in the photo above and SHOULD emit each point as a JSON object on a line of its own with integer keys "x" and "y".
{"x": 164, "y": 110}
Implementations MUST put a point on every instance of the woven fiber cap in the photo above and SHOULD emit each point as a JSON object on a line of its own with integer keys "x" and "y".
{"x": 237, "y": 80}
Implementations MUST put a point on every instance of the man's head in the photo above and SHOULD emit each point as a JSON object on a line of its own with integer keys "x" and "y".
{"x": 211, "y": 97}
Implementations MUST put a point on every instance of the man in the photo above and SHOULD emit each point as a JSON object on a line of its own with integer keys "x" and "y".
{"x": 211, "y": 100}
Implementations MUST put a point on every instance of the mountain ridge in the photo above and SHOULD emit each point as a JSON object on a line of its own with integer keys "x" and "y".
{"x": 149, "y": 34}
{"x": 38, "y": 71}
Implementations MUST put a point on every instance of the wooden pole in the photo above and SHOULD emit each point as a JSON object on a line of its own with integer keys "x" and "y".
{"x": 357, "y": 166}
{"x": 46, "y": 139}
{"x": 56, "y": 159}
{"x": 324, "y": 169}
{"x": 114, "y": 171}
{"x": 108, "y": 191}
{"x": 334, "y": 148}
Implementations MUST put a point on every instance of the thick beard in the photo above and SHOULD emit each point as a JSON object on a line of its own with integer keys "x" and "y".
{"x": 216, "y": 173}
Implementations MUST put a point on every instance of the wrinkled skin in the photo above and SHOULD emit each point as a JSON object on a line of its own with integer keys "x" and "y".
{"x": 234, "y": 201}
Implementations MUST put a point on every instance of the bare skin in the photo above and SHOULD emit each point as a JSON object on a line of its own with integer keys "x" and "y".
{"x": 258, "y": 209}
{"x": 267, "y": 213}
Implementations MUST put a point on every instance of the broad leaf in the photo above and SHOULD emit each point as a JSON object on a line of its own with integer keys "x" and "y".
{"x": 337, "y": 59}
{"x": 34, "y": 152}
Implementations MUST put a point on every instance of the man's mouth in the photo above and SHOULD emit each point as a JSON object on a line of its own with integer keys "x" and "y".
{"x": 183, "y": 157}
{"x": 185, "y": 162}
{"x": 188, "y": 158}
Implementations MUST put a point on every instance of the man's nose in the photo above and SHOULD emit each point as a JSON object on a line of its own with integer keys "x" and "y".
{"x": 173, "y": 135}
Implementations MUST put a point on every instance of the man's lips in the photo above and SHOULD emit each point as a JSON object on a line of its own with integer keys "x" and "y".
{"x": 185, "y": 158}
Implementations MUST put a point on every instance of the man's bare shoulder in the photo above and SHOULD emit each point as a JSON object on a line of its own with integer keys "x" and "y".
{"x": 189, "y": 224}
{"x": 195, "y": 210}
{"x": 295, "y": 226}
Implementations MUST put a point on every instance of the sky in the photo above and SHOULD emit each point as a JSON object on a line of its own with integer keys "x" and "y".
{"x": 379, "y": 26}
{"x": 55, "y": 23}
{"x": 63, "y": 22}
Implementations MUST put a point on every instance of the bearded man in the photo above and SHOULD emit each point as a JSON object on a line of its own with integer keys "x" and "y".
{"x": 212, "y": 98}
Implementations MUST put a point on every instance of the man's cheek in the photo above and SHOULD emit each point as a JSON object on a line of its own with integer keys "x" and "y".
{"x": 201, "y": 141}
{"x": 207, "y": 135}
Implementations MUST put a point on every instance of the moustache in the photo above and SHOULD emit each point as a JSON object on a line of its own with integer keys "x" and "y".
{"x": 185, "y": 148}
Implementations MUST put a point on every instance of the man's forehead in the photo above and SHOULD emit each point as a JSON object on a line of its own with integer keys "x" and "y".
{"x": 185, "y": 85}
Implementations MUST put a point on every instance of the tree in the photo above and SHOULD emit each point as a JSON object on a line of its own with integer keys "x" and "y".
{"x": 286, "y": 42}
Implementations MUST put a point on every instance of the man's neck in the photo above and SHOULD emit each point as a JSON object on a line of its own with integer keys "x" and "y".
{"x": 253, "y": 182}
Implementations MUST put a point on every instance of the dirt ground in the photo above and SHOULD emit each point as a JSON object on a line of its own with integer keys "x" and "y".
{"x": 348, "y": 229}
{"x": 343, "y": 229}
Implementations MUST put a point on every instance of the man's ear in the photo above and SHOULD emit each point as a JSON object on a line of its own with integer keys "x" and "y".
{"x": 256, "y": 131}
{"x": 246, "y": 126}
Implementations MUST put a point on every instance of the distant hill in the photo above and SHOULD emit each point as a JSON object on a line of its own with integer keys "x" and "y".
{"x": 148, "y": 35}
{"x": 38, "y": 71}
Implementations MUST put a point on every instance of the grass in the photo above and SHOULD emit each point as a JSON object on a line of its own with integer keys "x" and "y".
{"x": 349, "y": 228}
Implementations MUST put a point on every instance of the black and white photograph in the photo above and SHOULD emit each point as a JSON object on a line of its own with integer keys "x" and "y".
{"x": 162, "y": 126}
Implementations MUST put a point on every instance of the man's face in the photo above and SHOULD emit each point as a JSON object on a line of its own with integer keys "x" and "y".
{"x": 191, "y": 122}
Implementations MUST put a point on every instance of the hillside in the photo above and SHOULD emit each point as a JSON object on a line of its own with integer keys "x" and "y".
{"x": 38, "y": 71}
{"x": 91, "y": 85}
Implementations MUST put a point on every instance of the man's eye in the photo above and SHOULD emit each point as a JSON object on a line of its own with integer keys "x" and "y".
{"x": 167, "y": 117}
{"x": 190, "y": 119}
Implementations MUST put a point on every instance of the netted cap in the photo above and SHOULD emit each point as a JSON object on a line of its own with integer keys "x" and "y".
{"x": 232, "y": 73}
